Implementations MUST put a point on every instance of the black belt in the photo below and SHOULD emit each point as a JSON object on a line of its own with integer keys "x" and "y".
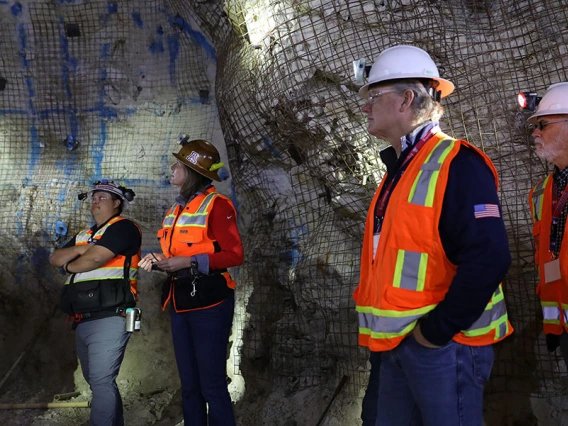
{"x": 186, "y": 273}
{"x": 104, "y": 313}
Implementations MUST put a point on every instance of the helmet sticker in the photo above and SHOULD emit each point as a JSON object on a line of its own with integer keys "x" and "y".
{"x": 192, "y": 158}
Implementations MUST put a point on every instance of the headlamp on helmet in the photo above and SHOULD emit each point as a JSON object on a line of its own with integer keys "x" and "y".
{"x": 110, "y": 186}
{"x": 183, "y": 139}
{"x": 528, "y": 100}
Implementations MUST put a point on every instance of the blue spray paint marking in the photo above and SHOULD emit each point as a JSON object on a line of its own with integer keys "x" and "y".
{"x": 293, "y": 254}
{"x": 112, "y": 8}
{"x": 196, "y": 36}
{"x": 156, "y": 46}
{"x": 173, "y": 49}
{"x": 20, "y": 269}
{"x": 268, "y": 144}
{"x": 137, "y": 19}
{"x": 3, "y": 2}
{"x": 105, "y": 52}
{"x": 16, "y": 9}
{"x": 13, "y": 111}
{"x": 22, "y": 41}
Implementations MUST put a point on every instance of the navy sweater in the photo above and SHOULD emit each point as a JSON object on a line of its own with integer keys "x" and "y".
{"x": 479, "y": 247}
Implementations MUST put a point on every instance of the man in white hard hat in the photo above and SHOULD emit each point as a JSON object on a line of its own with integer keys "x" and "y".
{"x": 435, "y": 251}
{"x": 549, "y": 208}
{"x": 102, "y": 267}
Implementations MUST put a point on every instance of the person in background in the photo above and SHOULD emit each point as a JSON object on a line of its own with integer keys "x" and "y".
{"x": 435, "y": 251}
{"x": 549, "y": 208}
{"x": 199, "y": 240}
{"x": 102, "y": 267}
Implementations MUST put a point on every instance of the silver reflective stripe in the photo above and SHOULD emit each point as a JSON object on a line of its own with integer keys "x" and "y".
{"x": 537, "y": 196}
{"x": 382, "y": 324}
{"x": 413, "y": 273}
{"x": 199, "y": 218}
{"x": 103, "y": 274}
{"x": 192, "y": 219}
{"x": 551, "y": 313}
{"x": 502, "y": 330}
{"x": 428, "y": 170}
{"x": 490, "y": 315}
{"x": 168, "y": 221}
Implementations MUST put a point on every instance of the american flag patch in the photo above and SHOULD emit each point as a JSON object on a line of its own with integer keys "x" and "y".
{"x": 486, "y": 210}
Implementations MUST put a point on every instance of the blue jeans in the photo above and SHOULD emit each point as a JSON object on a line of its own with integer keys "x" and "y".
{"x": 433, "y": 387}
{"x": 371, "y": 398}
{"x": 100, "y": 347}
{"x": 200, "y": 344}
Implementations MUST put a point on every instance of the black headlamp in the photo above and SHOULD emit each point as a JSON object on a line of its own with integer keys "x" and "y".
{"x": 528, "y": 100}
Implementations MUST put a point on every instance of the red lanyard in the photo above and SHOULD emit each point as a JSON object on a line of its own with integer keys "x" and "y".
{"x": 381, "y": 207}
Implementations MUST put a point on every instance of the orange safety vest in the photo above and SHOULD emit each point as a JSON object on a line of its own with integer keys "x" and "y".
{"x": 411, "y": 274}
{"x": 114, "y": 268}
{"x": 553, "y": 294}
{"x": 184, "y": 231}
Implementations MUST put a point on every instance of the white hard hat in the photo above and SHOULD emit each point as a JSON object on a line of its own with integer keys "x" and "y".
{"x": 554, "y": 101}
{"x": 109, "y": 185}
{"x": 405, "y": 62}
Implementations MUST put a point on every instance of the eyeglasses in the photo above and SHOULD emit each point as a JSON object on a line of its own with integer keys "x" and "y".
{"x": 372, "y": 98}
{"x": 99, "y": 199}
{"x": 540, "y": 125}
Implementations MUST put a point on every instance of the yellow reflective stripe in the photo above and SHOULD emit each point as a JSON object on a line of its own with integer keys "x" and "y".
{"x": 199, "y": 218}
{"x": 410, "y": 270}
{"x": 104, "y": 274}
{"x": 485, "y": 330}
{"x": 424, "y": 186}
{"x": 538, "y": 199}
{"x": 382, "y": 323}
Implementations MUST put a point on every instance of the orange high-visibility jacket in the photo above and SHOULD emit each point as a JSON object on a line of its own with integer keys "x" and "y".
{"x": 114, "y": 268}
{"x": 411, "y": 274}
{"x": 184, "y": 230}
{"x": 554, "y": 294}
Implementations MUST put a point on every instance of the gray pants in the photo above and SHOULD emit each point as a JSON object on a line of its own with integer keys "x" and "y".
{"x": 100, "y": 347}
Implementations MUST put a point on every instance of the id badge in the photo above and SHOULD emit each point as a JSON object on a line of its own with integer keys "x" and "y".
{"x": 552, "y": 271}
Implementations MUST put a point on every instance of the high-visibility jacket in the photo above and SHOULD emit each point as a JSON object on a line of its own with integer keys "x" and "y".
{"x": 553, "y": 294}
{"x": 115, "y": 269}
{"x": 184, "y": 230}
{"x": 411, "y": 273}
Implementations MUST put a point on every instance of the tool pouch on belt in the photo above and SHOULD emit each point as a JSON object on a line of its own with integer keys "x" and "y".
{"x": 209, "y": 290}
{"x": 96, "y": 295}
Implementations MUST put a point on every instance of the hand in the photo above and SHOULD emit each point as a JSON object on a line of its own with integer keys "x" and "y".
{"x": 175, "y": 263}
{"x": 421, "y": 340}
{"x": 151, "y": 258}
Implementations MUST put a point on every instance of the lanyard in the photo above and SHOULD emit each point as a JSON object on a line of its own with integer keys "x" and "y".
{"x": 558, "y": 205}
{"x": 383, "y": 200}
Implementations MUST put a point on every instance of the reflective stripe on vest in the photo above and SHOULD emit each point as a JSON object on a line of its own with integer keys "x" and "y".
{"x": 411, "y": 266}
{"x": 199, "y": 218}
{"x": 493, "y": 318}
{"x": 424, "y": 187}
{"x": 384, "y": 324}
{"x": 170, "y": 217}
{"x": 538, "y": 198}
{"x": 112, "y": 273}
{"x": 551, "y": 312}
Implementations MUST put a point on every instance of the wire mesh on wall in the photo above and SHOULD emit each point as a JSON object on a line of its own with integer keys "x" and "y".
{"x": 307, "y": 168}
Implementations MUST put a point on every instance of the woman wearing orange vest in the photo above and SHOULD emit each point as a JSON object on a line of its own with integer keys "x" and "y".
{"x": 549, "y": 209}
{"x": 435, "y": 251}
{"x": 200, "y": 240}
{"x": 101, "y": 263}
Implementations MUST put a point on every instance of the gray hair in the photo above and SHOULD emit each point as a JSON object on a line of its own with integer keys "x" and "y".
{"x": 424, "y": 106}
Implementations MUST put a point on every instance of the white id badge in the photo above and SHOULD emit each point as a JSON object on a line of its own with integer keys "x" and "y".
{"x": 376, "y": 238}
{"x": 552, "y": 271}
